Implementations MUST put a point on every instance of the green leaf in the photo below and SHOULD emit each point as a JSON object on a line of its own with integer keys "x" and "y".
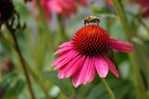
{"x": 64, "y": 84}
{"x": 146, "y": 46}
{"x": 14, "y": 88}
{"x": 119, "y": 88}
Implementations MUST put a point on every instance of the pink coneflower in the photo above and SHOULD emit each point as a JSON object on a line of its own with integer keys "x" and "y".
{"x": 87, "y": 53}
{"x": 63, "y": 8}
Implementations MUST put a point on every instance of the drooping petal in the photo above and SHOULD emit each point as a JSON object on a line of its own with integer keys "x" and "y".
{"x": 71, "y": 67}
{"x": 66, "y": 60}
{"x": 66, "y": 44}
{"x": 60, "y": 73}
{"x": 101, "y": 66}
{"x": 63, "y": 56}
{"x": 86, "y": 74}
{"x": 62, "y": 50}
{"x": 121, "y": 46}
{"x": 76, "y": 66}
{"x": 112, "y": 67}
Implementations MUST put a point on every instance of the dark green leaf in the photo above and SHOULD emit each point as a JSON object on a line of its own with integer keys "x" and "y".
{"x": 14, "y": 88}
{"x": 64, "y": 84}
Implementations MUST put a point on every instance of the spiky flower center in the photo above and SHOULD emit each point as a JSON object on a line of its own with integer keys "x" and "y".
{"x": 91, "y": 40}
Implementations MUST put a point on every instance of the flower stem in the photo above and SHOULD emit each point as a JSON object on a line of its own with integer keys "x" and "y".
{"x": 39, "y": 82}
{"x": 42, "y": 15}
{"x": 23, "y": 65}
{"x": 108, "y": 88}
{"x": 138, "y": 82}
{"x": 33, "y": 74}
{"x": 61, "y": 28}
{"x": 44, "y": 25}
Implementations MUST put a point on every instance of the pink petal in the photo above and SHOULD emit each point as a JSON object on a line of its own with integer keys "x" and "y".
{"x": 46, "y": 9}
{"x": 71, "y": 67}
{"x": 54, "y": 6}
{"x": 101, "y": 66}
{"x": 76, "y": 66}
{"x": 86, "y": 74}
{"x": 62, "y": 50}
{"x": 66, "y": 44}
{"x": 68, "y": 6}
{"x": 62, "y": 56}
{"x": 112, "y": 67}
{"x": 121, "y": 46}
{"x": 71, "y": 56}
{"x": 63, "y": 4}
{"x": 60, "y": 73}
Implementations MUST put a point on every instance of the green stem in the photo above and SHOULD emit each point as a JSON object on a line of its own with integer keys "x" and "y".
{"x": 23, "y": 65}
{"x": 145, "y": 26}
{"x": 2, "y": 38}
{"x": 122, "y": 17}
{"x": 46, "y": 41}
{"x": 38, "y": 81}
{"x": 44, "y": 25}
{"x": 138, "y": 17}
{"x": 42, "y": 15}
{"x": 61, "y": 35}
{"x": 61, "y": 28}
{"x": 35, "y": 77}
{"x": 108, "y": 88}
{"x": 138, "y": 82}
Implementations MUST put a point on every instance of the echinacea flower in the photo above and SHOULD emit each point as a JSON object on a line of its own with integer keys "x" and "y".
{"x": 88, "y": 52}
{"x": 63, "y": 8}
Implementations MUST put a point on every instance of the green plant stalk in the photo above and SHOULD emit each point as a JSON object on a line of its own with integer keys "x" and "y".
{"x": 2, "y": 38}
{"x": 61, "y": 28}
{"x": 61, "y": 35}
{"x": 111, "y": 94}
{"x": 38, "y": 81}
{"x": 143, "y": 24}
{"x": 138, "y": 17}
{"x": 35, "y": 77}
{"x": 42, "y": 15}
{"x": 138, "y": 82}
{"x": 45, "y": 38}
{"x": 23, "y": 65}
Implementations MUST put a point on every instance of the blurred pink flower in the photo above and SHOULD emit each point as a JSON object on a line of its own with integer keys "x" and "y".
{"x": 109, "y": 3}
{"x": 144, "y": 7}
{"x": 62, "y": 7}
{"x": 142, "y": 3}
{"x": 87, "y": 53}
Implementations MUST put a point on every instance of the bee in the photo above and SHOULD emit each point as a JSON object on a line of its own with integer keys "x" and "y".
{"x": 91, "y": 20}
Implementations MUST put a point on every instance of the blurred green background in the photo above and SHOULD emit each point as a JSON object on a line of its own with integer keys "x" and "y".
{"x": 42, "y": 36}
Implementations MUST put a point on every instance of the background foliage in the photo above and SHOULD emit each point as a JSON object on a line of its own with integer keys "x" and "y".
{"x": 41, "y": 38}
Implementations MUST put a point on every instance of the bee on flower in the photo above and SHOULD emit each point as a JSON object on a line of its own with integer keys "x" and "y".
{"x": 88, "y": 52}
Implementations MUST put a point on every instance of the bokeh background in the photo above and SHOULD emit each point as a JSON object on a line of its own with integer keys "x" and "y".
{"x": 32, "y": 30}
